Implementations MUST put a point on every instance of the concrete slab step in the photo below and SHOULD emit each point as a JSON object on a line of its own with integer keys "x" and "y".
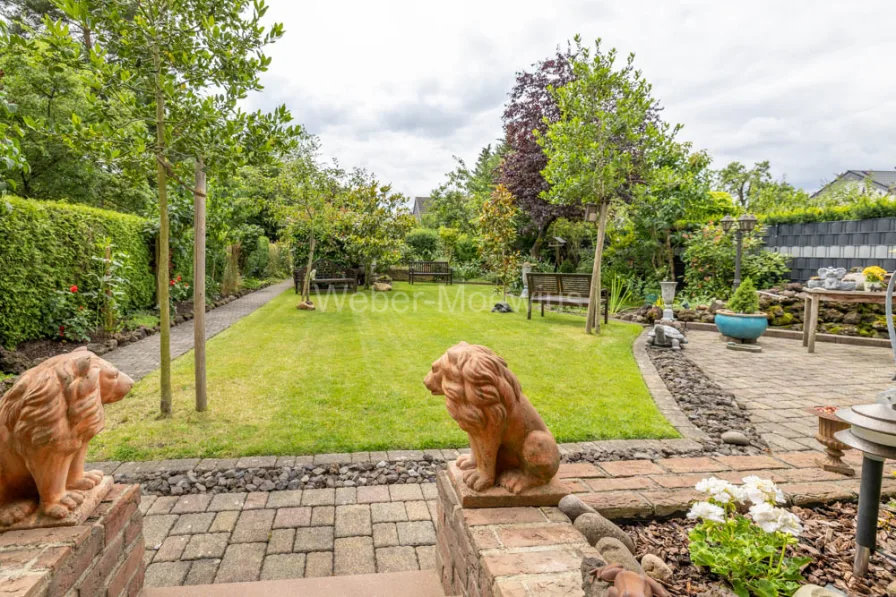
{"x": 424, "y": 583}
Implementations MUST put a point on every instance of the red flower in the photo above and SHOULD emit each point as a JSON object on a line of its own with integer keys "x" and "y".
{"x": 172, "y": 282}
{"x": 81, "y": 308}
{"x": 186, "y": 285}
{"x": 74, "y": 289}
{"x": 62, "y": 328}
{"x": 179, "y": 278}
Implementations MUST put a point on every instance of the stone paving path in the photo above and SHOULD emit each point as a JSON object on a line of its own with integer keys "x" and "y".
{"x": 141, "y": 358}
{"x": 779, "y": 383}
{"x": 240, "y": 537}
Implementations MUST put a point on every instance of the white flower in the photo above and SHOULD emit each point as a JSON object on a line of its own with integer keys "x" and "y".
{"x": 773, "y": 520}
{"x": 760, "y": 491}
{"x": 721, "y": 491}
{"x": 706, "y": 511}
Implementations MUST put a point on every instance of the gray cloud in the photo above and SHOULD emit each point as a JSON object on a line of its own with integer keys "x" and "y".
{"x": 400, "y": 87}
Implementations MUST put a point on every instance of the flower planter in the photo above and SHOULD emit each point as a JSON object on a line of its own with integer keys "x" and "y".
{"x": 828, "y": 425}
{"x": 741, "y": 326}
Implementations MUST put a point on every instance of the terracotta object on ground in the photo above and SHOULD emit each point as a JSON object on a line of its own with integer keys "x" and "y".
{"x": 306, "y": 306}
{"x": 828, "y": 425}
{"x": 629, "y": 584}
{"x": 509, "y": 442}
{"x": 47, "y": 420}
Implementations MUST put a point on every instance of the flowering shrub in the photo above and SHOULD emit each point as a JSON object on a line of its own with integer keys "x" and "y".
{"x": 874, "y": 274}
{"x": 72, "y": 319}
{"x": 179, "y": 290}
{"x": 749, "y": 551}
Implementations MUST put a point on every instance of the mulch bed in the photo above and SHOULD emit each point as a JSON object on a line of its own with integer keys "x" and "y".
{"x": 828, "y": 538}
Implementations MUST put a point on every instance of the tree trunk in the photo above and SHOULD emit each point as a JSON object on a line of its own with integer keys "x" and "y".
{"x": 368, "y": 274}
{"x": 306, "y": 285}
{"x": 592, "y": 321}
{"x": 199, "y": 196}
{"x": 163, "y": 273}
{"x": 670, "y": 254}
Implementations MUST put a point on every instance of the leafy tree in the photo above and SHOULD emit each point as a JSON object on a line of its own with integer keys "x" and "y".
{"x": 532, "y": 107}
{"x": 309, "y": 200}
{"x": 423, "y": 243}
{"x": 497, "y": 235}
{"x": 374, "y": 223}
{"x": 597, "y": 150}
{"x": 179, "y": 67}
{"x": 46, "y": 99}
{"x": 448, "y": 239}
{"x": 455, "y": 203}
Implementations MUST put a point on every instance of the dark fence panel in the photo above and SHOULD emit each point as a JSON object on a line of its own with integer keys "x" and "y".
{"x": 853, "y": 243}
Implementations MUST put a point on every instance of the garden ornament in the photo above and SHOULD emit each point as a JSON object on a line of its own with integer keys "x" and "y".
{"x": 831, "y": 278}
{"x": 666, "y": 336}
{"x": 47, "y": 420}
{"x": 510, "y": 444}
{"x": 502, "y": 308}
{"x": 873, "y": 432}
{"x": 629, "y": 584}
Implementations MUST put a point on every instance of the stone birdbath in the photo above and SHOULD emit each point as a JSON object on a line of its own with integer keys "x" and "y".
{"x": 828, "y": 425}
{"x": 668, "y": 291}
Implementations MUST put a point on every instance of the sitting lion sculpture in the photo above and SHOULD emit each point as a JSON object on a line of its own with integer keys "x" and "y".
{"x": 509, "y": 442}
{"x": 47, "y": 420}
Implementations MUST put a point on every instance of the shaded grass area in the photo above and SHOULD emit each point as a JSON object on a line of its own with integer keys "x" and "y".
{"x": 348, "y": 377}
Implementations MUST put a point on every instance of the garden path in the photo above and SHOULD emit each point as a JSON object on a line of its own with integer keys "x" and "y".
{"x": 141, "y": 358}
{"x": 779, "y": 383}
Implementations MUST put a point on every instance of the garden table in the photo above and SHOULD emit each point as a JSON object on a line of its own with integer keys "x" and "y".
{"x": 813, "y": 299}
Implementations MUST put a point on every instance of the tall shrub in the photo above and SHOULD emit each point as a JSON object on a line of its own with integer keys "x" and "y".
{"x": 49, "y": 246}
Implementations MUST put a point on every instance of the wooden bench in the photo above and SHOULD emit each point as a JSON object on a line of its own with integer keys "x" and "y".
{"x": 327, "y": 274}
{"x": 432, "y": 269}
{"x": 563, "y": 289}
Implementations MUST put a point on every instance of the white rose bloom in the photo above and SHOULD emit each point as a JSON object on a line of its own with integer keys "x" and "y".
{"x": 721, "y": 491}
{"x": 706, "y": 511}
{"x": 765, "y": 517}
{"x": 789, "y": 523}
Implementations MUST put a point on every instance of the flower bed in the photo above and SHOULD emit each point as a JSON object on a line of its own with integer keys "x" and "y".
{"x": 828, "y": 538}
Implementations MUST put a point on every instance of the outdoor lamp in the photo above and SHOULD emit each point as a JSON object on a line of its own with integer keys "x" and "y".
{"x": 591, "y": 212}
{"x": 728, "y": 223}
{"x": 746, "y": 222}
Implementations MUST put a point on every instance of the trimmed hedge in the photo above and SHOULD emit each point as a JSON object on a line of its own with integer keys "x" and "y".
{"x": 47, "y": 246}
{"x": 865, "y": 209}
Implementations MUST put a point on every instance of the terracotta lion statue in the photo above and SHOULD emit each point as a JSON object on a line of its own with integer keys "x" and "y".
{"x": 509, "y": 442}
{"x": 46, "y": 421}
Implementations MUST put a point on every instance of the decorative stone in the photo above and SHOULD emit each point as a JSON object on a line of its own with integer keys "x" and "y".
{"x": 615, "y": 552}
{"x": 574, "y": 507}
{"x": 50, "y": 415}
{"x": 735, "y": 438}
{"x": 382, "y": 286}
{"x": 666, "y": 336}
{"x": 815, "y": 591}
{"x": 655, "y": 567}
{"x": 499, "y": 497}
{"x": 595, "y": 528}
{"x": 306, "y": 306}
{"x": 486, "y": 400}
{"x": 502, "y": 308}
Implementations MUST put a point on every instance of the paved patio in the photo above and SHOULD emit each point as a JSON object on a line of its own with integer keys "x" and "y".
{"x": 779, "y": 383}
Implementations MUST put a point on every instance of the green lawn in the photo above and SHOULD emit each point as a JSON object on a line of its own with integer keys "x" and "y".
{"x": 288, "y": 382}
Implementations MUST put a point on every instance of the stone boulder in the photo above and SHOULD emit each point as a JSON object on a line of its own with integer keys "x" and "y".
{"x": 382, "y": 286}
{"x": 816, "y": 591}
{"x": 595, "y": 528}
{"x": 309, "y": 306}
{"x": 655, "y": 567}
{"x": 574, "y": 507}
{"x": 615, "y": 552}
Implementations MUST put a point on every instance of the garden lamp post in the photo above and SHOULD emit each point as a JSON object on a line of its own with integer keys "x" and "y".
{"x": 740, "y": 226}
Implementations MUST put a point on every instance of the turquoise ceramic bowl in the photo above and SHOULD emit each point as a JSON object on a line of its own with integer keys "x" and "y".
{"x": 740, "y": 326}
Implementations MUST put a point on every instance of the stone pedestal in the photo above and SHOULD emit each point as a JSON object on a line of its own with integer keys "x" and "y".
{"x": 76, "y": 517}
{"x": 506, "y": 551}
{"x": 100, "y": 555}
{"x": 498, "y": 497}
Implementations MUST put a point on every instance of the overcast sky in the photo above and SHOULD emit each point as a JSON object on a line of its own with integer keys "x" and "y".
{"x": 400, "y": 87}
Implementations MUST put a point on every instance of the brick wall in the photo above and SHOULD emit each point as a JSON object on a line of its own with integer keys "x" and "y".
{"x": 506, "y": 552}
{"x": 101, "y": 558}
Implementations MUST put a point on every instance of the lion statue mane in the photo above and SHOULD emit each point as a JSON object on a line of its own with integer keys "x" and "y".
{"x": 509, "y": 442}
{"x": 47, "y": 420}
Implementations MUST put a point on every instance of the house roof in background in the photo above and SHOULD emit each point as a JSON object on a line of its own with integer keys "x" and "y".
{"x": 421, "y": 204}
{"x": 884, "y": 180}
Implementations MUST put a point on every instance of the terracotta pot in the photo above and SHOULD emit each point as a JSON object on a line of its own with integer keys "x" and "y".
{"x": 828, "y": 425}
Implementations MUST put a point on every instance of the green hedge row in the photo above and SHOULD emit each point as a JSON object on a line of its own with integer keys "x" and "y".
{"x": 866, "y": 209}
{"x": 47, "y": 246}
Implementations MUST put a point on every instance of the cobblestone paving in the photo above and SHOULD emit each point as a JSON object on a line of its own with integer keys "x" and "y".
{"x": 779, "y": 383}
{"x": 141, "y": 358}
{"x": 241, "y": 537}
